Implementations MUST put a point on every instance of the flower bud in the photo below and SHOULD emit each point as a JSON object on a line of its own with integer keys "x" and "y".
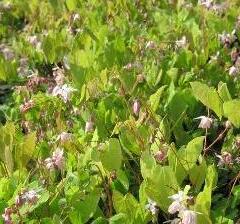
{"x": 228, "y": 124}
{"x": 136, "y": 107}
{"x": 89, "y": 126}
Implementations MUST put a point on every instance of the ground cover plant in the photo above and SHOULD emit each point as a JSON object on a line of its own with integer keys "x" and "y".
{"x": 123, "y": 111}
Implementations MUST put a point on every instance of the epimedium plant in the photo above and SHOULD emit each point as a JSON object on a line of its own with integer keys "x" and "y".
{"x": 119, "y": 112}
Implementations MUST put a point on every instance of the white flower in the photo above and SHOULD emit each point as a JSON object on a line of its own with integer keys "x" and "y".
{"x": 206, "y": 3}
{"x": 75, "y": 17}
{"x": 181, "y": 43}
{"x": 89, "y": 126}
{"x": 31, "y": 196}
{"x": 35, "y": 42}
{"x": 176, "y": 206}
{"x": 205, "y": 122}
{"x": 233, "y": 70}
{"x": 226, "y": 38}
{"x": 150, "y": 45}
{"x": 8, "y": 53}
{"x": 152, "y": 207}
{"x": 189, "y": 217}
{"x": 56, "y": 161}
{"x": 64, "y": 92}
{"x": 64, "y": 137}
{"x": 58, "y": 74}
{"x": 58, "y": 158}
{"x": 225, "y": 159}
{"x": 177, "y": 197}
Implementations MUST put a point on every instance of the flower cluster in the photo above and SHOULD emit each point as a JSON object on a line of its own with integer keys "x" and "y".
{"x": 7, "y": 52}
{"x": 179, "y": 205}
{"x": 212, "y": 5}
{"x": 227, "y": 39}
{"x": 26, "y": 106}
{"x": 56, "y": 161}
{"x": 26, "y": 197}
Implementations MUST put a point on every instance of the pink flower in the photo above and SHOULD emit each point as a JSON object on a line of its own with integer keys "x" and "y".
{"x": 176, "y": 206}
{"x": 136, "y": 107}
{"x": 160, "y": 156}
{"x": 152, "y": 207}
{"x": 64, "y": 137}
{"x": 233, "y": 70}
{"x": 56, "y": 161}
{"x": 58, "y": 158}
{"x": 205, "y": 122}
{"x": 26, "y": 106}
{"x": 7, "y": 216}
{"x": 225, "y": 159}
{"x": 189, "y": 217}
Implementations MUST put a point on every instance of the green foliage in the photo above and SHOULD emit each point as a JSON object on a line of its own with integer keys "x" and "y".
{"x": 98, "y": 108}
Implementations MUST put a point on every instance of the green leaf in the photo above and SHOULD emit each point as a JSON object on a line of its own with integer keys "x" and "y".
{"x": 231, "y": 109}
{"x": 129, "y": 206}
{"x": 71, "y": 4}
{"x": 223, "y": 92}
{"x": 183, "y": 160}
{"x": 161, "y": 185}
{"x": 208, "y": 96}
{"x": 118, "y": 219}
{"x": 85, "y": 209}
{"x": 147, "y": 163}
{"x": 111, "y": 157}
{"x": 155, "y": 98}
{"x": 203, "y": 200}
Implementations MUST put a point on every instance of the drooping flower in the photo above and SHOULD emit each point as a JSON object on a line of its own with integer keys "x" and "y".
{"x": 58, "y": 75}
{"x": 152, "y": 207}
{"x": 177, "y": 197}
{"x": 64, "y": 92}
{"x": 35, "y": 42}
{"x": 206, "y": 3}
{"x": 64, "y": 137}
{"x": 136, "y": 107}
{"x": 176, "y": 206}
{"x": 7, "y": 216}
{"x": 233, "y": 71}
{"x": 225, "y": 159}
{"x": 181, "y": 43}
{"x": 26, "y": 106}
{"x": 189, "y": 217}
{"x": 58, "y": 158}
{"x": 150, "y": 45}
{"x": 56, "y": 161}
{"x": 227, "y": 39}
{"x": 160, "y": 155}
{"x": 89, "y": 126}
{"x": 205, "y": 123}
